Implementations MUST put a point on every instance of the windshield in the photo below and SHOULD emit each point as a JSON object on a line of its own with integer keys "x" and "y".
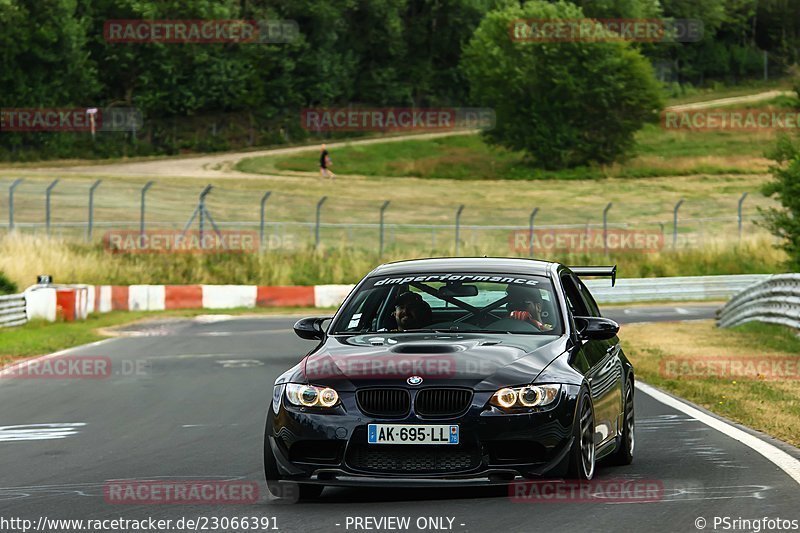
{"x": 462, "y": 302}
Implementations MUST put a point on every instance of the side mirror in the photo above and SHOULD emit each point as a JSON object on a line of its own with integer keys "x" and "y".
{"x": 310, "y": 328}
{"x": 593, "y": 328}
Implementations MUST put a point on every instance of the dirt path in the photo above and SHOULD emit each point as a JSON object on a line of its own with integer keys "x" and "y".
{"x": 748, "y": 98}
{"x": 222, "y": 165}
{"x": 209, "y": 166}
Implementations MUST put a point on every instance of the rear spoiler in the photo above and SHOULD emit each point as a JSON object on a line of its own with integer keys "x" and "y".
{"x": 603, "y": 271}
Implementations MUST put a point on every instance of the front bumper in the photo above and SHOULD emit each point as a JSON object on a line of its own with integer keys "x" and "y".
{"x": 495, "y": 447}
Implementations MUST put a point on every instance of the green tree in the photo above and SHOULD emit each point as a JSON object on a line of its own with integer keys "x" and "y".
{"x": 610, "y": 9}
{"x": 785, "y": 187}
{"x": 43, "y": 56}
{"x": 566, "y": 104}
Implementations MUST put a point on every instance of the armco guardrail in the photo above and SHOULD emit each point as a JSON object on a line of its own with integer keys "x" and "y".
{"x": 672, "y": 288}
{"x": 775, "y": 300}
{"x": 12, "y": 310}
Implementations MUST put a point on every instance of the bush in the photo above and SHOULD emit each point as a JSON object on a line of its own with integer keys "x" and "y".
{"x": 6, "y": 285}
{"x": 565, "y": 104}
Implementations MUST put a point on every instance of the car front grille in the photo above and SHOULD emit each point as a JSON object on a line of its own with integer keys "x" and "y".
{"x": 384, "y": 402}
{"x": 417, "y": 458}
{"x": 442, "y": 402}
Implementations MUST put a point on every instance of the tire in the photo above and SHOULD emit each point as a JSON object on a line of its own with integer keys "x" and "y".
{"x": 285, "y": 492}
{"x": 582, "y": 454}
{"x": 624, "y": 453}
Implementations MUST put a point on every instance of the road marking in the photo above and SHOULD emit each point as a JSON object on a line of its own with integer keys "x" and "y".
{"x": 39, "y": 431}
{"x": 239, "y": 363}
{"x": 211, "y": 319}
{"x": 780, "y": 458}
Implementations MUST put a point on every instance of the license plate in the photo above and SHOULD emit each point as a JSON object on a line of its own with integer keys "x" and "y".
{"x": 409, "y": 434}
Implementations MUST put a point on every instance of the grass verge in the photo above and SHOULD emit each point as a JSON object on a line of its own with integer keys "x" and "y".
{"x": 765, "y": 404}
{"x": 40, "y": 337}
{"x": 467, "y": 157}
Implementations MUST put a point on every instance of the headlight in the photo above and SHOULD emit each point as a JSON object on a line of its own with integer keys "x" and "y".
{"x": 524, "y": 397}
{"x": 311, "y": 396}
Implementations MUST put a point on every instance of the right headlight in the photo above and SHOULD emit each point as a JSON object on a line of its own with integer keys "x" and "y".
{"x": 311, "y": 395}
{"x": 525, "y": 397}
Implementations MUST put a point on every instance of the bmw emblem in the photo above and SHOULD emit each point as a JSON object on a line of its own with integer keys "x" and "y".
{"x": 414, "y": 380}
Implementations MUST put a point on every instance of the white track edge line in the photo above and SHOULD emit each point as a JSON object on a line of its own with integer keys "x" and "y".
{"x": 780, "y": 458}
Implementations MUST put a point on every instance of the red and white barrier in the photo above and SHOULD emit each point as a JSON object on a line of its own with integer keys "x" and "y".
{"x": 159, "y": 297}
{"x": 75, "y": 302}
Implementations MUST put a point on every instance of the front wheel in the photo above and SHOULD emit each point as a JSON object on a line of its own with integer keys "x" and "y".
{"x": 285, "y": 492}
{"x": 582, "y": 454}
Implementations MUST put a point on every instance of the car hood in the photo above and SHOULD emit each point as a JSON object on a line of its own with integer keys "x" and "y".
{"x": 478, "y": 361}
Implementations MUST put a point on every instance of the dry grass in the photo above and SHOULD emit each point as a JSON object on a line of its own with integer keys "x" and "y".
{"x": 772, "y": 406}
{"x": 22, "y": 257}
{"x": 682, "y": 165}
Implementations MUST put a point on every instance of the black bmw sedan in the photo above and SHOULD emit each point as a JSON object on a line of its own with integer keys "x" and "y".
{"x": 453, "y": 371}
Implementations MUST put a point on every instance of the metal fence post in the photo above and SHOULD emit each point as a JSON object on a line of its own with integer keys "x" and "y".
{"x": 741, "y": 201}
{"x": 605, "y": 227}
{"x": 91, "y": 210}
{"x": 383, "y": 209}
{"x": 11, "y": 203}
{"x": 201, "y": 209}
{"x": 142, "y": 207}
{"x": 458, "y": 225}
{"x": 47, "y": 194}
{"x": 263, "y": 201}
{"x": 316, "y": 227}
{"x": 675, "y": 223}
{"x": 530, "y": 231}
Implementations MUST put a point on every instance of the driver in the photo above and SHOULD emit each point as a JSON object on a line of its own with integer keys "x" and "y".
{"x": 526, "y": 305}
{"x": 411, "y": 312}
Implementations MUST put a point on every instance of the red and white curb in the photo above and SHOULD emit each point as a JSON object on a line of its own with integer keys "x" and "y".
{"x": 77, "y": 301}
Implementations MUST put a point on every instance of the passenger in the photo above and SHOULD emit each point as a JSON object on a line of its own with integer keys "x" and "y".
{"x": 526, "y": 305}
{"x": 411, "y": 312}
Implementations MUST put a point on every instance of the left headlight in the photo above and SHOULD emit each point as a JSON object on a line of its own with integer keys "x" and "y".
{"x": 525, "y": 397}
{"x": 311, "y": 395}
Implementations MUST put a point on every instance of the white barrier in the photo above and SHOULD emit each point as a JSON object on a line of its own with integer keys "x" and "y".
{"x": 40, "y": 302}
{"x": 672, "y": 288}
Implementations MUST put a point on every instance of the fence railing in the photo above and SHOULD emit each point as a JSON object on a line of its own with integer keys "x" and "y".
{"x": 86, "y": 210}
{"x": 775, "y": 300}
{"x": 12, "y": 310}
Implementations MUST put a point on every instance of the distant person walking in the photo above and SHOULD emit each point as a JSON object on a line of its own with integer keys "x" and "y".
{"x": 325, "y": 163}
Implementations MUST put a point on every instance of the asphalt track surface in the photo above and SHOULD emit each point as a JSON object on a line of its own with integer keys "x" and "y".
{"x": 195, "y": 408}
